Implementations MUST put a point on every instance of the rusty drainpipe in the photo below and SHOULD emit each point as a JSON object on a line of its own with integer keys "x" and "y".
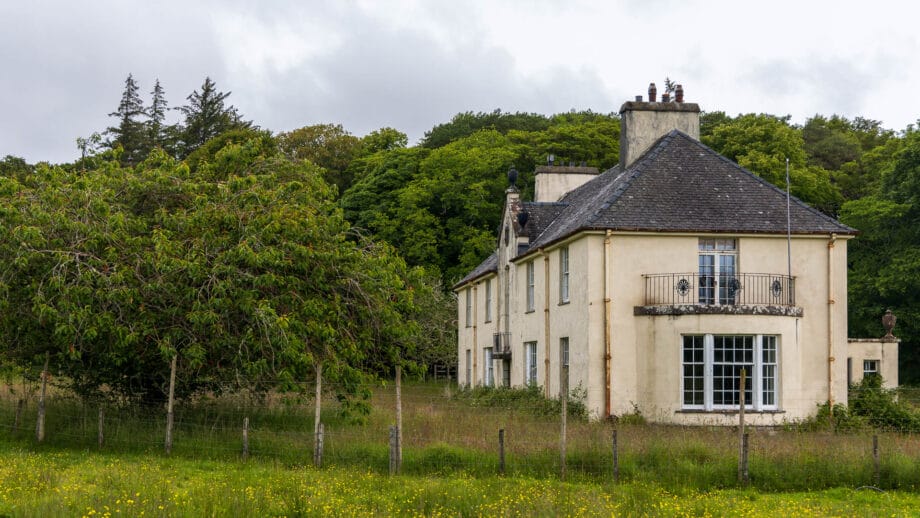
{"x": 546, "y": 321}
{"x": 607, "y": 355}
{"x": 830, "y": 323}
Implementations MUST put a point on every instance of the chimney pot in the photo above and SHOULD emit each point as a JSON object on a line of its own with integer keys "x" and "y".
{"x": 666, "y": 97}
{"x": 638, "y": 98}
{"x": 679, "y": 94}
{"x": 652, "y": 92}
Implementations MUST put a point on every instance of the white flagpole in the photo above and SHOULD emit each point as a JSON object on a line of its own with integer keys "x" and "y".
{"x": 788, "y": 229}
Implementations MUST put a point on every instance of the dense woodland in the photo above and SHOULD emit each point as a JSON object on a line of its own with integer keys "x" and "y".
{"x": 253, "y": 256}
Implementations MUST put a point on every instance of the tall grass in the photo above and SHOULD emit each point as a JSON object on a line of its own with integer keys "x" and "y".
{"x": 448, "y": 435}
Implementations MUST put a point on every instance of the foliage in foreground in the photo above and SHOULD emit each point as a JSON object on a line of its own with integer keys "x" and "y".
{"x": 245, "y": 270}
{"x": 871, "y": 407}
{"x": 529, "y": 399}
{"x": 82, "y": 484}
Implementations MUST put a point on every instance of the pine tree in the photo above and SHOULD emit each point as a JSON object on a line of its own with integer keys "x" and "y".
{"x": 160, "y": 134}
{"x": 206, "y": 116}
{"x": 156, "y": 115}
{"x": 129, "y": 133}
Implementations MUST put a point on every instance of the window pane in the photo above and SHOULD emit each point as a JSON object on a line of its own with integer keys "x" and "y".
{"x": 731, "y": 354}
{"x": 693, "y": 371}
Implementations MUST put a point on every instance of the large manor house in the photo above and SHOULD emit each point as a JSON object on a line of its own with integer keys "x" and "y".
{"x": 656, "y": 282}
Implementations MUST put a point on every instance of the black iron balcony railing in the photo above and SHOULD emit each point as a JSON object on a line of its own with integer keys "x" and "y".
{"x": 695, "y": 289}
{"x": 501, "y": 346}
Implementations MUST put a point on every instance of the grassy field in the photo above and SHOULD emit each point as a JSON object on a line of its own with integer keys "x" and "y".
{"x": 60, "y": 483}
{"x": 449, "y": 467}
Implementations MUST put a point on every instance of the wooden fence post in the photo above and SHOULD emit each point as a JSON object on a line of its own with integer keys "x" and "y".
{"x": 169, "y": 403}
{"x": 101, "y": 435}
{"x": 501, "y": 451}
{"x": 40, "y": 422}
{"x": 564, "y": 396}
{"x": 616, "y": 458}
{"x": 745, "y": 448}
{"x": 875, "y": 459}
{"x": 18, "y": 419}
{"x": 741, "y": 429}
{"x": 317, "y": 418}
{"x": 318, "y": 452}
{"x": 394, "y": 439}
{"x": 245, "y": 438}
{"x": 399, "y": 427}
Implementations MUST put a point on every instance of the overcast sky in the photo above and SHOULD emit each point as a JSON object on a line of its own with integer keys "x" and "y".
{"x": 414, "y": 64}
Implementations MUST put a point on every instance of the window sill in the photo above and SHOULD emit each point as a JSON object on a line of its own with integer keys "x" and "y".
{"x": 564, "y": 302}
{"x": 489, "y": 321}
{"x": 726, "y": 412}
{"x": 530, "y": 311}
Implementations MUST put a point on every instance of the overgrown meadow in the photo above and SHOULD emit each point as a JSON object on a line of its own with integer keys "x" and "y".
{"x": 450, "y": 462}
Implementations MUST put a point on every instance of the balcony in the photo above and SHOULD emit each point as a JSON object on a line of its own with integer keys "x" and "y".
{"x": 501, "y": 346}
{"x": 740, "y": 293}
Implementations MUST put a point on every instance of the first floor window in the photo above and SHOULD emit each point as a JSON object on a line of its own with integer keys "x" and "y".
{"x": 530, "y": 286}
{"x": 712, "y": 367}
{"x": 469, "y": 308}
{"x": 870, "y": 368}
{"x": 564, "y": 274}
{"x": 489, "y": 300}
{"x": 530, "y": 362}
{"x": 487, "y": 372}
{"x": 469, "y": 368}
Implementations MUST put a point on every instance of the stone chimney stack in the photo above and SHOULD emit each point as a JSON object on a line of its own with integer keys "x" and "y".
{"x": 643, "y": 123}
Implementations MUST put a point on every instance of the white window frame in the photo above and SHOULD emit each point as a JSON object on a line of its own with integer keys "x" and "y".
{"x": 488, "y": 374}
{"x": 563, "y": 275}
{"x": 717, "y": 248}
{"x": 530, "y": 287}
{"x": 530, "y": 363}
{"x": 469, "y": 307}
{"x": 765, "y": 367}
{"x": 870, "y": 367}
{"x": 469, "y": 367}
{"x": 488, "y": 300}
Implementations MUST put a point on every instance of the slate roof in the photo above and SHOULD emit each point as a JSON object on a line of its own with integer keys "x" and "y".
{"x": 490, "y": 265}
{"x": 678, "y": 185}
{"x": 681, "y": 185}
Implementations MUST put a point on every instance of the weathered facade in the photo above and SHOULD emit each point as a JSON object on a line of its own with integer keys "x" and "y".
{"x": 658, "y": 281}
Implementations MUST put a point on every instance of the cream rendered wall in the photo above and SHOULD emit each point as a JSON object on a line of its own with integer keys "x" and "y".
{"x": 464, "y": 336}
{"x": 886, "y": 352}
{"x": 647, "y": 349}
{"x": 550, "y": 186}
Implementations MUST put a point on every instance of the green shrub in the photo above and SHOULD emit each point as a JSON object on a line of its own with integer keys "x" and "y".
{"x": 528, "y": 399}
{"x": 880, "y": 409}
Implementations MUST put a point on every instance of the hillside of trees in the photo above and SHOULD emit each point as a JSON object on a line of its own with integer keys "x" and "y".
{"x": 254, "y": 255}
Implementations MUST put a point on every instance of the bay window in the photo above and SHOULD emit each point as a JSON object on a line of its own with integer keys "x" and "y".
{"x": 712, "y": 365}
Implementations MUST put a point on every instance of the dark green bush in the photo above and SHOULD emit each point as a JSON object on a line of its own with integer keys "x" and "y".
{"x": 528, "y": 399}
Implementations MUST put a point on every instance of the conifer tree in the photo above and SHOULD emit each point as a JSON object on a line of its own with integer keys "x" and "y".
{"x": 206, "y": 116}
{"x": 130, "y": 131}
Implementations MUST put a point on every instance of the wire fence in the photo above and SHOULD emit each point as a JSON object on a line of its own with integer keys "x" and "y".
{"x": 446, "y": 430}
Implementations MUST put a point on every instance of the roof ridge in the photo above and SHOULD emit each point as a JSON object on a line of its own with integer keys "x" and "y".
{"x": 798, "y": 201}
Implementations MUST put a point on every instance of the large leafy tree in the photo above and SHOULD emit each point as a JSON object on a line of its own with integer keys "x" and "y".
{"x": 329, "y": 146}
{"x": 129, "y": 133}
{"x": 208, "y": 115}
{"x": 246, "y": 270}
{"x": 884, "y": 260}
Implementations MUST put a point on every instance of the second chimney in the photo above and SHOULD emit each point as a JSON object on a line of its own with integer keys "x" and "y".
{"x": 642, "y": 124}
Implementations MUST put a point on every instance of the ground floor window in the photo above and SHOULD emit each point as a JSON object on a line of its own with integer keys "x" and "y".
{"x": 712, "y": 366}
{"x": 469, "y": 368}
{"x": 530, "y": 362}
{"x": 488, "y": 375}
{"x": 870, "y": 368}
